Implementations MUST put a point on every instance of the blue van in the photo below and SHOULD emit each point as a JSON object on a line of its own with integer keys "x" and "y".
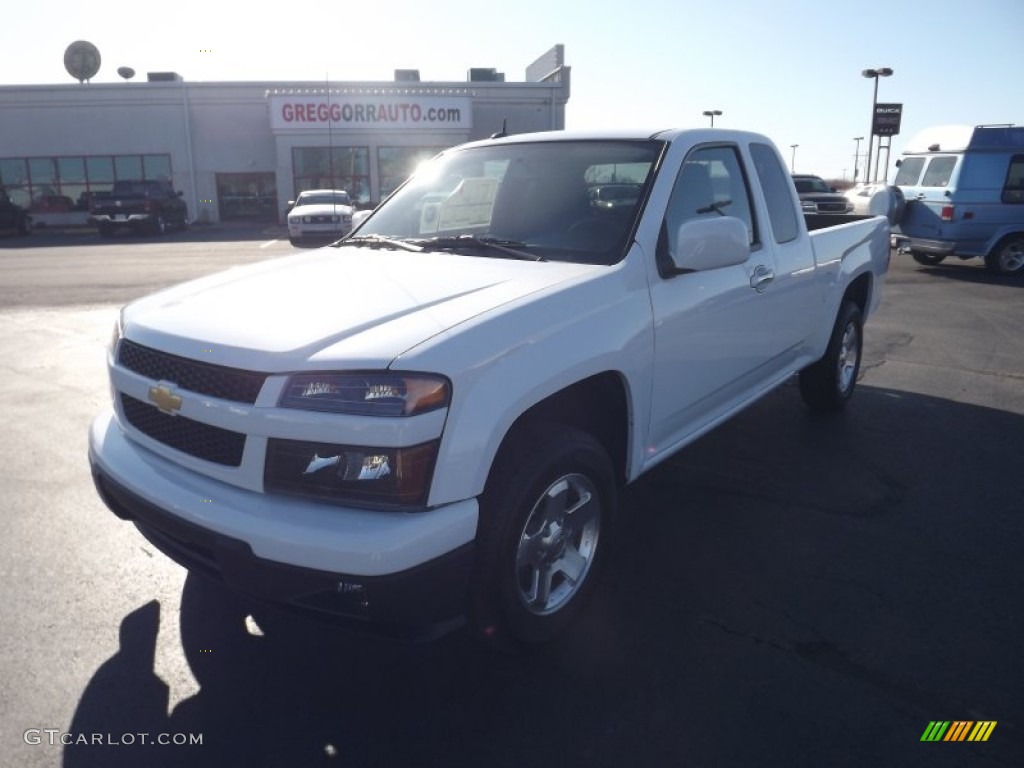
{"x": 964, "y": 191}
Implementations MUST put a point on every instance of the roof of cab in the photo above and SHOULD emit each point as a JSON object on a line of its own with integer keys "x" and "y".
{"x": 635, "y": 134}
{"x": 958, "y": 138}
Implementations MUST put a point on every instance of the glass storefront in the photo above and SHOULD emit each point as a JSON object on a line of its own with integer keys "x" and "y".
{"x": 60, "y": 184}
{"x": 247, "y": 196}
{"x": 396, "y": 164}
{"x": 346, "y": 168}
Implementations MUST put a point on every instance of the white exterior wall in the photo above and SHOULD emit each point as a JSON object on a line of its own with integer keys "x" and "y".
{"x": 230, "y": 130}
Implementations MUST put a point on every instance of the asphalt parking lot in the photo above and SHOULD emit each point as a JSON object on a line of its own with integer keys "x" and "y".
{"x": 788, "y": 591}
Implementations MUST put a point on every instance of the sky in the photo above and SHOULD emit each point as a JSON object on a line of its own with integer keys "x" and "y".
{"x": 790, "y": 69}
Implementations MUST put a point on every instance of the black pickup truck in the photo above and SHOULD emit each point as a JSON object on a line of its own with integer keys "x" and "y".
{"x": 13, "y": 216}
{"x": 140, "y": 206}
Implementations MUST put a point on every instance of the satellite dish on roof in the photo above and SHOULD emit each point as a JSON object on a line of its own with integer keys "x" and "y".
{"x": 126, "y": 72}
{"x": 82, "y": 60}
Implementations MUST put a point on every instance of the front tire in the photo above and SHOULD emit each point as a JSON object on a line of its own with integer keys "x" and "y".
{"x": 828, "y": 384}
{"x": 1007, "y": 258}
{"x": 545, "y": 521}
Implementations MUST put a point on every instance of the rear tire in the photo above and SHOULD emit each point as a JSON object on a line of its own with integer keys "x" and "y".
{"x": 545, "y": 524}
{"x": 828, "y": 384}
{"x": 1007, "y": 258}
{"x": 927, "y": 259}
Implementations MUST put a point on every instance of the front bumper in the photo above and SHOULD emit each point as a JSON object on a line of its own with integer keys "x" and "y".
{"x": 400, "y": 574}
{"x": 332, "y": 230}
{"x": 122, "y": 219}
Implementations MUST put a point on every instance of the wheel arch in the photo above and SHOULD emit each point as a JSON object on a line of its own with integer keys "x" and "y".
{"x": 992, "y": 257}
{"x": 859, "y": 292}
{"x": 598, "y": 405}
{"x": 1003, "y": 239}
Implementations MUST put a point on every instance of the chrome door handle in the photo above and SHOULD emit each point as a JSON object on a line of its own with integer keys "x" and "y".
{"x": 761, "y": 277}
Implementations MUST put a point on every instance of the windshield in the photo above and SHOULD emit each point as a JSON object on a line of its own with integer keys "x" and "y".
{"x": 324, "y": 199}
{"x": 555, "y": 200}
{"x": 811, "y": 184}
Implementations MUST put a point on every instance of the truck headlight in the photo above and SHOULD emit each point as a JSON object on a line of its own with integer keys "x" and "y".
{"x": 366, "y": 394}
{"x": 387, "y": 477}
{"x": 115, "y": 335}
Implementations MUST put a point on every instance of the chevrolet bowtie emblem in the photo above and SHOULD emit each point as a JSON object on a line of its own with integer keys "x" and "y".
{"x": 165, "y": 399}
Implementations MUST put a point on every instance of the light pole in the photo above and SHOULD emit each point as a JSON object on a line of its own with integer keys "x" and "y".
{"x": 875, "y": 74}
{"x": 856, "y": 155}
{"x": 792, "y": 162}
{"x": 712, "y": 113}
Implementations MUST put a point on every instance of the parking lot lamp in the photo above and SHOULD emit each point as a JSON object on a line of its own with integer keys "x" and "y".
{"x": 711, "y": 113}
{"x": 856, "y": 155}
{"x": 875, "y": 74}
{"x": 792, "y": 162}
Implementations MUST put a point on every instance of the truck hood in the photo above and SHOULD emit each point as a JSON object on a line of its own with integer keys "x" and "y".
{"x": 354, "y": 306}
{"x": 321, "y": 210}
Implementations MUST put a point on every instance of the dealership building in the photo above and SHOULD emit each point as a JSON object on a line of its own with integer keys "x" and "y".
{"x": 242, "y": 150}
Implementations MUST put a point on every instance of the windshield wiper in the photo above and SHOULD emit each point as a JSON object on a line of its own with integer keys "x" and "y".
{"x": 506, "y": 247}
{"x": 379, "y": 241}
{"x": 716, "y": 206}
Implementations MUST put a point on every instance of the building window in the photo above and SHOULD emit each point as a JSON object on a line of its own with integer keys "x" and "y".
{"x": 247, "y": 196}
{"x": 346, "y": 168}
{"x": 14, "y": 180}
{"x": 128, "y": 167}
{"x": 156, "y": 166}
{"x": 396, "y": 164}
{"x": 60, "y": 184}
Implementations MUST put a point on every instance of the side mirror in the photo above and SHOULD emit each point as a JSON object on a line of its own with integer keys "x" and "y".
{"x": 703, "y": 244}
{"x": 832, "y": 189}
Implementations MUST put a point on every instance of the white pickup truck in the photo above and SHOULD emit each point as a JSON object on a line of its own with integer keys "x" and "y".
{"x": 431, "y": 419}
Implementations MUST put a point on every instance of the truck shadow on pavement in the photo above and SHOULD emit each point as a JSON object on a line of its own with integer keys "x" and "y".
{"x": 972, "y": 271}
{"x": 789, "y": 590}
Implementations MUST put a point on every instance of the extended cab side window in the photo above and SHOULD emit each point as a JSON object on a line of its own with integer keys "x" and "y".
{"x": 775, "y": 184}
{"x": 711, "y": 183}
{"x": 1013, "y": 189}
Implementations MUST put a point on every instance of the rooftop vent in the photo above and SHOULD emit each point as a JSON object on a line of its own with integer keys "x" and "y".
{"x": 407, "y": 75}
{"x": 485, "y": 75}
{"x": 164, "y": 77}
